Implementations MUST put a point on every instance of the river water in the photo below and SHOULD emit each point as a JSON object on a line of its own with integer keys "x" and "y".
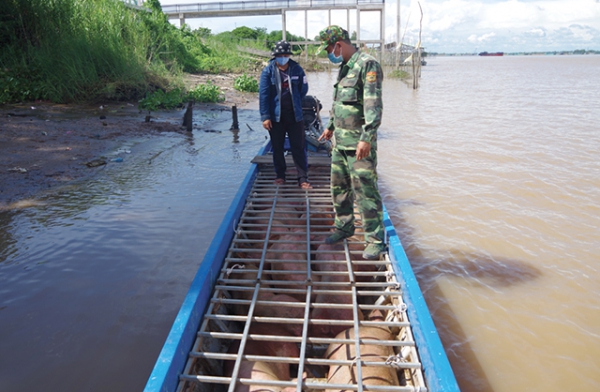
{"x": 489, "y": 171}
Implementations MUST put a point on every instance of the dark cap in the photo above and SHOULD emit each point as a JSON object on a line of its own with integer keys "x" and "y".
{"x": 282, "y": 47}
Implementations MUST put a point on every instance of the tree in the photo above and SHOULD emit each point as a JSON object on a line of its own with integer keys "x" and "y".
{"x": 153, "y": 5}
{"x": 244, "y": 32}
{"x": 202, "y": 32}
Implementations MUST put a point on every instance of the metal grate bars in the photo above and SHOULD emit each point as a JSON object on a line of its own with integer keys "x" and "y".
{"x": 291, "y": 313}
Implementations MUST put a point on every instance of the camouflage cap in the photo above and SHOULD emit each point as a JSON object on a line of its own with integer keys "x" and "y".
{"x": 331, "y": 35}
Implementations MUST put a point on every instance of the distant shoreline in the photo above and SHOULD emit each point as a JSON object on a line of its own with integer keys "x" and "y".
{"x": 550, "y": 53}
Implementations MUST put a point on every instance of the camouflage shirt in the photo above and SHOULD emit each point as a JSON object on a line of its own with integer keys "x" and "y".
{"x": 357, "y": 103}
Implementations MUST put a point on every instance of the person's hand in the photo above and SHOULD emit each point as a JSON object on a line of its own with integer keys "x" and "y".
{"x": 267, "y": 125}
{"x": 363, "y": 149}
{"x": 326, "y": 135}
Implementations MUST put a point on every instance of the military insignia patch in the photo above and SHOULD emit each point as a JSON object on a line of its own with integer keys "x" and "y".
{"x": 371, "y": 76}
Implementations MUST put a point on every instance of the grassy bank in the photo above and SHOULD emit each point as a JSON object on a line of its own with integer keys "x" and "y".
{"x": 90, "y": 50}
{"x": 66, "y": 51}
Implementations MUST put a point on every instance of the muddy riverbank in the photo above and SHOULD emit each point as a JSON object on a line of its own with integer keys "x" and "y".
{"x": 47, "y": 146}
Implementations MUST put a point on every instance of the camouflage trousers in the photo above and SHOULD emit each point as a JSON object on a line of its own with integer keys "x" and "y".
{"x": 356, "y": 181}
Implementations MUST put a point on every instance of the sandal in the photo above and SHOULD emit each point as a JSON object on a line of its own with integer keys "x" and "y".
{"x": 279, "y": 181}
{"x": 305, "y": 185}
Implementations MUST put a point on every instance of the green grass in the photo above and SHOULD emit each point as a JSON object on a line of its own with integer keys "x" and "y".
{"x": 398, "y": 74}
{"x": 92, "y": 50}
{"x": 71, "y": 50}
{"x": 174, "y": 98}
{"x": 246, "y": 83}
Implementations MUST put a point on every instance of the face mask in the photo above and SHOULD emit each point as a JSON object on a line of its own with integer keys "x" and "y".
{"x": 282, "y": 60}
{"x": 335, "y": 59}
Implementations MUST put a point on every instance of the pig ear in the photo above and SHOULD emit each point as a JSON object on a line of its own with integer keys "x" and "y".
{"x": 376, "y": 315}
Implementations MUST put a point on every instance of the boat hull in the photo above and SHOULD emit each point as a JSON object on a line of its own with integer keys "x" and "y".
{"x": 175, "y": 354}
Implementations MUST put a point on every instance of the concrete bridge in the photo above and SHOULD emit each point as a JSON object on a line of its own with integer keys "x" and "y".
{"x": 280, "y": 7}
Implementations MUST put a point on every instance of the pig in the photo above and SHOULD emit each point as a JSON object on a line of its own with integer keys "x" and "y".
{"x": 264, "y": 370}
{"x": 334, "y": 252}
{"x": 371, "y": 375}
{"x": 291, "y": 249}
{"x": 250, "y": 272}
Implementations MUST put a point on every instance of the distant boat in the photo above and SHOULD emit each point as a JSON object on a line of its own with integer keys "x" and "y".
{"x": 491, "y": 54}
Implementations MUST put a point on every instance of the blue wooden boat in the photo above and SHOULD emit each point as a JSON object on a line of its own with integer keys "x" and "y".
{"x": 270, "y": 293}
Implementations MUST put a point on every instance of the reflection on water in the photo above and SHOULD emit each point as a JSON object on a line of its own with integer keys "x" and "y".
{"x": 489, "y": 172}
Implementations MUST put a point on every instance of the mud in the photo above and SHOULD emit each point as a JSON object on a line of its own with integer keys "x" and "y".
{"x": 45, "y": 146}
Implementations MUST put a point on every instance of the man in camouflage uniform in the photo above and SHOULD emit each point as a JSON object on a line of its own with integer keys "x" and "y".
{"x": 355, "y": 117}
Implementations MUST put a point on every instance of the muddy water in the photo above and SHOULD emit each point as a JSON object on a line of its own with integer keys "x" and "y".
{"x": 91, "y": 281}
{"x": 492, "y": 172}
{"x": 489, "y": 171}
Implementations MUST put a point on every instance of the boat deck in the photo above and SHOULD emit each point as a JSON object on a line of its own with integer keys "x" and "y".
{"x": 290, "y": 313}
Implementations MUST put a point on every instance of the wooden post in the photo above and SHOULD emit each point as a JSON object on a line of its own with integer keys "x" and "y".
{"x": 188, "y": 116}
{"x": 235, "y": 124}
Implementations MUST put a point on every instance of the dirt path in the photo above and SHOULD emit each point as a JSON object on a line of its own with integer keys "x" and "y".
{"x": 44, "y": 146}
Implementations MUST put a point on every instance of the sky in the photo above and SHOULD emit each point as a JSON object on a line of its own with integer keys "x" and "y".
{"x": 448, "y": 26}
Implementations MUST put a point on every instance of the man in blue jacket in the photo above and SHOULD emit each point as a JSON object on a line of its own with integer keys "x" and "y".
{"x": 282, "y": 86}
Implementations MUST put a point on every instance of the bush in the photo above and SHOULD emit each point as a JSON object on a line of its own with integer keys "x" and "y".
{"x": 175, "y": 98}
{"x": 206, "y": 93}
{"x": 162, "y": 100}
{"x": 246, "y": 83}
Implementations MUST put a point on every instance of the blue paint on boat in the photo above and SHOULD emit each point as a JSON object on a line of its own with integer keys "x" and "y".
{"x": 437, "y": 369}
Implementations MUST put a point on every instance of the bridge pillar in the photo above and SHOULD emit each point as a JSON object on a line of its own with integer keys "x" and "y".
{"x": 358, "y": 26}
{"x": 181, "y": 20}
{"x": 382, "y": 35}
{"x": 306, "y": 35}
{"x": 348, "y": 21}
{"x": 283, "y": 37}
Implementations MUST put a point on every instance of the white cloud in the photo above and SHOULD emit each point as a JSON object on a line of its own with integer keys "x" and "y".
{"x": 453, "y": 25}
{"x": 447, "y": 14}
{"x": 536, "y": 32}
{"x": 486, "y": 37}
{"x": 582, "y": 33}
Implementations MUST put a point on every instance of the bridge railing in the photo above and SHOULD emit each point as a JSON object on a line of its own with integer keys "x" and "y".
{"x": 262, "y": 4}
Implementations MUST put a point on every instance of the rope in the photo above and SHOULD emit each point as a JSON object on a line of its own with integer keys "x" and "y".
{"x": 389, "y": 274}
{"x": 400, "y": 309}
{"x": 230, "y": 270}
{"x": 395, "y": 360}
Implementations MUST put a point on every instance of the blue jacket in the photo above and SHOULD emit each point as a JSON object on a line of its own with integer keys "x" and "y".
{"x": 270, "y": 90}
